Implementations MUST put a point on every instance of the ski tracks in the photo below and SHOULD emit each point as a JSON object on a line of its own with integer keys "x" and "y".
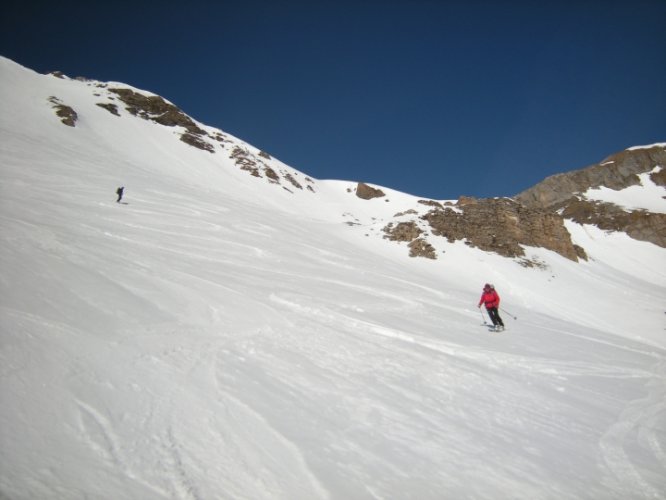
{"x": 98, "y": 432}
{"x": 247, "y": 440}
{"x": 640, "y": 430}
{"x": 141, "y": 443}
{"x": 183, "y": 483}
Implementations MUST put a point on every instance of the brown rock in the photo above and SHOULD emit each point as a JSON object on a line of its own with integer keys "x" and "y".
{"x": 403, "y": 231}
{"x": 503, "y": 226}
{"x": 421, "y": 248}
{"x": 366, "y": 192}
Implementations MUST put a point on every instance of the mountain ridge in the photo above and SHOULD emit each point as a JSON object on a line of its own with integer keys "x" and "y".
{"x": 571, "y": 194}
{"x": 504, "y": 227}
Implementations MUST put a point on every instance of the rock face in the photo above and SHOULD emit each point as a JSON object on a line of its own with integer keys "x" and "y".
{"x": 157, "y": 109}
{"x": 535, "y": 218}
{"x": 421, "y": 248}
{"x": 564, "y": 193}
{"x": 615, "y": 172}
{"x": 66, "y": 114}
{"x": 410, "y": 232}
{"x": 639, "y": 224}
{"x": 366, "y": 192}
{"x": 403, "y": 231}
{"x": 503, "y": 225}
{"x": 499, "y": 225}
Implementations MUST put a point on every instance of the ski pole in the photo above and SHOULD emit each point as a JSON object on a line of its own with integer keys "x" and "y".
{"x": 505, "y": 311}
{"x": 482, "y": 316}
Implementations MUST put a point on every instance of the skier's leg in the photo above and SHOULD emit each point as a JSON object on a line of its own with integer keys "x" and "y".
{"x": 492, "y": 312}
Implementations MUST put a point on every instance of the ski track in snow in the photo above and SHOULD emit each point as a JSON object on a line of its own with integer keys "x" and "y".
{"x": 641, "y": 425}
{"x": 100, "y": 436}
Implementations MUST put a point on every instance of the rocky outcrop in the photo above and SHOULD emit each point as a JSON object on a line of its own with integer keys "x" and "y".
{"x": 615, "y": 172}
{"x": 156, "y": 109}
{"x": 110, "y": 107}
{"x": 499, "y": 225}
{"x": 66, "y": 114}
{"x": 116, "y": 98}
{"x": 410, "y": 231}
{"x": 366, "y": 192}
{"x": 403, "y": 231}
{"x": 197, "y": 142}
{"x": 659, "y": 178}
{"x": 421, "y": 248}
{"x": 564, "y": 194}
{"x": 503, "y": 226}
{"x": 639, "y": 224}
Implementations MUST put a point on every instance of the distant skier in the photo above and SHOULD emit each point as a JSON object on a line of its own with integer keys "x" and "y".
{"x": 119, "y": 192}
{"x": 491, "y": 299}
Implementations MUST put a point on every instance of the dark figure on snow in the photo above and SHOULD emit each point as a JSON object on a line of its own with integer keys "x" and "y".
{"x": 491, "y": 299}
{"x": 119, "y": 192}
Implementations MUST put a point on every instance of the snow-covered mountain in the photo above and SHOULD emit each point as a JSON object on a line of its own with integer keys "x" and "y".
{"x": 235, "y": 329}
{"x": 624, "y": 192}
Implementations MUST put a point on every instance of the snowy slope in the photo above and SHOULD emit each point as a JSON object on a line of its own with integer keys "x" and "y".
{"x": 222, "y": 337}
{"x": 646, "y": 196}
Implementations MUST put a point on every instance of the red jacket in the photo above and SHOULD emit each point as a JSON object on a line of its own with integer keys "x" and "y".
{"x": 491, "y": 299}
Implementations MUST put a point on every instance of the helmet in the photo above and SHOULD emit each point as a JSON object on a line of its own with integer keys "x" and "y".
{"x": 487, "y": 286}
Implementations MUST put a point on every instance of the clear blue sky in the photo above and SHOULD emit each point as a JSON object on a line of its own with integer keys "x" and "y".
{"x": 434, "y": 98}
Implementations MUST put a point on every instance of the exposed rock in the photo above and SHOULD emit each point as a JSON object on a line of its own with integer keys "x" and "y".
{"x": 659, "y": 178}
{"x": 110, "y": 107}
{"x": 431, "y": 203}
{"x": 156, "y": 109}
{"x": 403, "y": 231}
{"x": 502, "y": 226}
{"x": 197, "y": 142}
{"x": 467, "y": 200}
{"x": 411, "y": 211}
{"x": 66, "y": 114}
{"x": 293, "y": 181}
{"x": 615, "y": 172}
{"x": 564, "y": 193}
{"x": 270, "y": 173}
{"x": 409, "y": 231}
{"x": 421, "y": 248}
{"x": 639, "y": 224}
{"x": 366, "y": 192}
{"x": 243, "y": 158}
{"x": 219, "y": 137}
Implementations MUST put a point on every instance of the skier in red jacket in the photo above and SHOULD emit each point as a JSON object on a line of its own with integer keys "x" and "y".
{"x": 491, "y": 299}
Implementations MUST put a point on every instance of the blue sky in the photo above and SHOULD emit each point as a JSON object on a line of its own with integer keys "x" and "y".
{"x": 434, "y": 98}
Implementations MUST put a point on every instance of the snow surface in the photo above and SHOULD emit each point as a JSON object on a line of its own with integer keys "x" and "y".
{"x": 649, "y": 146}
{"x": 646, "y": 196}
{"x": 221, "y": 337}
